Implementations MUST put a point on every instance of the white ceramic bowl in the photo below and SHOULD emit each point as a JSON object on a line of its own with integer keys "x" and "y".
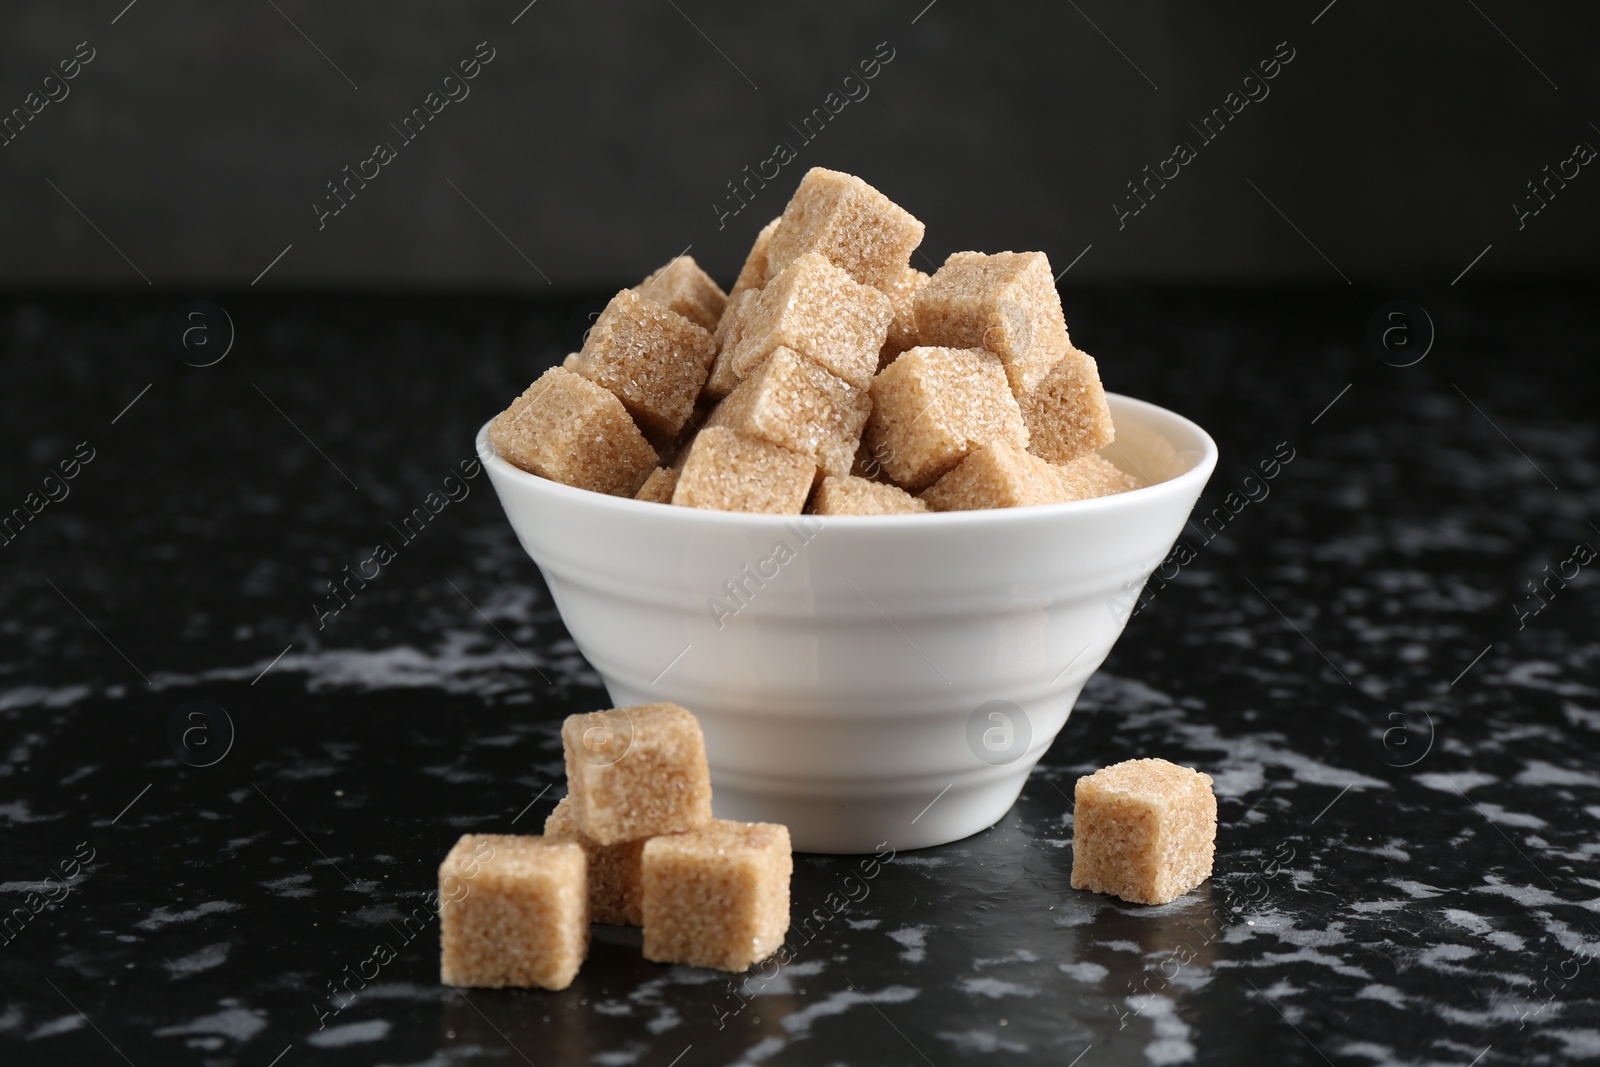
{"x": 862, "y": 679}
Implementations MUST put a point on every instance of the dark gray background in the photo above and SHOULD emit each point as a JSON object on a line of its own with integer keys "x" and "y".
{"x": 601, "y": 135}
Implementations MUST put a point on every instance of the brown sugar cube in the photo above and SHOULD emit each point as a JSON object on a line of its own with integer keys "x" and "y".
{"x": 717, "y": 896}
{"x": 753, "y": 275}
{"x": 616, "y": 894}
{"x": 566, "y": 428}
{"x": 637, "y": 771}
{"x": 1144, "y": 830}
{"x": 903, "y": 326}
{"x": 1094, "y": 475}
{"x": 852, "y": 224}
{"x": 725, "y": 471}
{"x": 821, "y": 312}
{"x": 653, "y": 359}
{"x": 659, "y": 486}
{"x": 869, "y": 462}
{"x": 569, "y": 359}
{"x": 858, "y": 496}
{"x": 513, "y": 911}
{"x": 932, "y": 406}
{"x": 790, "y": 401}
{"x": 1066, "y": 410}
{"x": 722, "y": 379}
{"x": 1004, "y": 476}
{"x": 1000, "y": 475}
{"x": 683, "y": 287}
{"x": 1006, "y": 303}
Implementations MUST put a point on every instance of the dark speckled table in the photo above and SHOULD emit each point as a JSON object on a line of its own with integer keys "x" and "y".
{"x": 220, "y": 823}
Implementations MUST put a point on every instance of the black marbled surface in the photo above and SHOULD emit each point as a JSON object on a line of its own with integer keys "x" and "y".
{"x": 1406, "y": 766}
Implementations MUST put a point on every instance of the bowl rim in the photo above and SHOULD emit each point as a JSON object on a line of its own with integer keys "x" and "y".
{"x": 1191, "y": 481}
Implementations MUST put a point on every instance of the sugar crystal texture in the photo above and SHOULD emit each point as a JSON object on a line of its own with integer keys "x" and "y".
{"x": 819, "y": 311}
{"x": 903, "y": 326}
{"x": 718, "y": 896}
{"x": 1004, "y": 476}
{"x": 858, "y": 496}
{"x": 616, "y": 893}
{"x": 1000, "y": 475}
{"x": 681, "y": 286}
{"x": 1093, "y": 475}
{"x": 932, "y": 406}
{"x": 753, "y": 275}
{"x": 790, "y": 401}
{"x": 636, "y": 771}
{"x": 566, "y": 428}
{"x": 659, "y": 486}
{"x": 1006, "y": 303}
{"x": 729, "y": 331}
{"x": 726, "y": 471}
{"x": 1144, "y": 830}
{"x": 652, "y": 358}
{"x": 850, "y": 223}
{"x": 1066, "y": 409}
{"x": 513, "y": 911}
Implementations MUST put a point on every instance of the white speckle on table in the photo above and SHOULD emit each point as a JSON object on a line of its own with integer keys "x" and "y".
{"x": 994, "y": 988}
{"x": 1538, "y": 772}
{"x": 1387, "y": 994}
{"x": 979, "y": 1041}
{"x": 238, "y": 1023}
{"x": 63, "y": 1025}
{"x": 913, "y": 938}
{"x": 1087, "y": 971}
{"x": 1455, "y": 781}
{"x": 1171, "y": 1044}
{"x": 162, "y": 917}
{"x": 201, "y": 960}
{"x": 799, "y": 1022}
{"x": 350, "y": 1034}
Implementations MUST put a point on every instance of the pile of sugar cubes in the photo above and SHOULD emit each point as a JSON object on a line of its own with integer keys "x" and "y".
{"x": 834, "y": 377}
{"x": 633, "y": 843}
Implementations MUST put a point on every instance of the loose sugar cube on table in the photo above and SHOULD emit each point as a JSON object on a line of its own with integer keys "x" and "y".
{"x": 726, "y": 471}
{"x": 659, "y": 486}
{"x": 616, "y": 894}
{"x": 821, "y": 312}
{"x": 753, "y": 275}
{"x": 903, "y": 326}
{"x": 1144, "y": 830}
{"x": 788, "y": 400}
{"x": 858, "y": 496}
{"x": 1066, "y": 409}
{"x": 637, "y": 771}
{"x": 652, "y": 358}
{"x": 717, "y": 896}
{"x": 513, "y": 911}
{"x": 681, "y": 286}
{"x": 566, "y": 428}
{"x": 850, "y": 223}
{"x": 1006, "y": 303}
{"x": 722, "y": 380}
{"x": 932, "y": 406}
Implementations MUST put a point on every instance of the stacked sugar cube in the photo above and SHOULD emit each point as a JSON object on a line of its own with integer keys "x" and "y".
{"x": 834, "y": 377}
{"x": 633, "y": 843}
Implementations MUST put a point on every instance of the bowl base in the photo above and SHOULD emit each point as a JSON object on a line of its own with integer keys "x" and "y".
{"x": 850, "y": 825}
